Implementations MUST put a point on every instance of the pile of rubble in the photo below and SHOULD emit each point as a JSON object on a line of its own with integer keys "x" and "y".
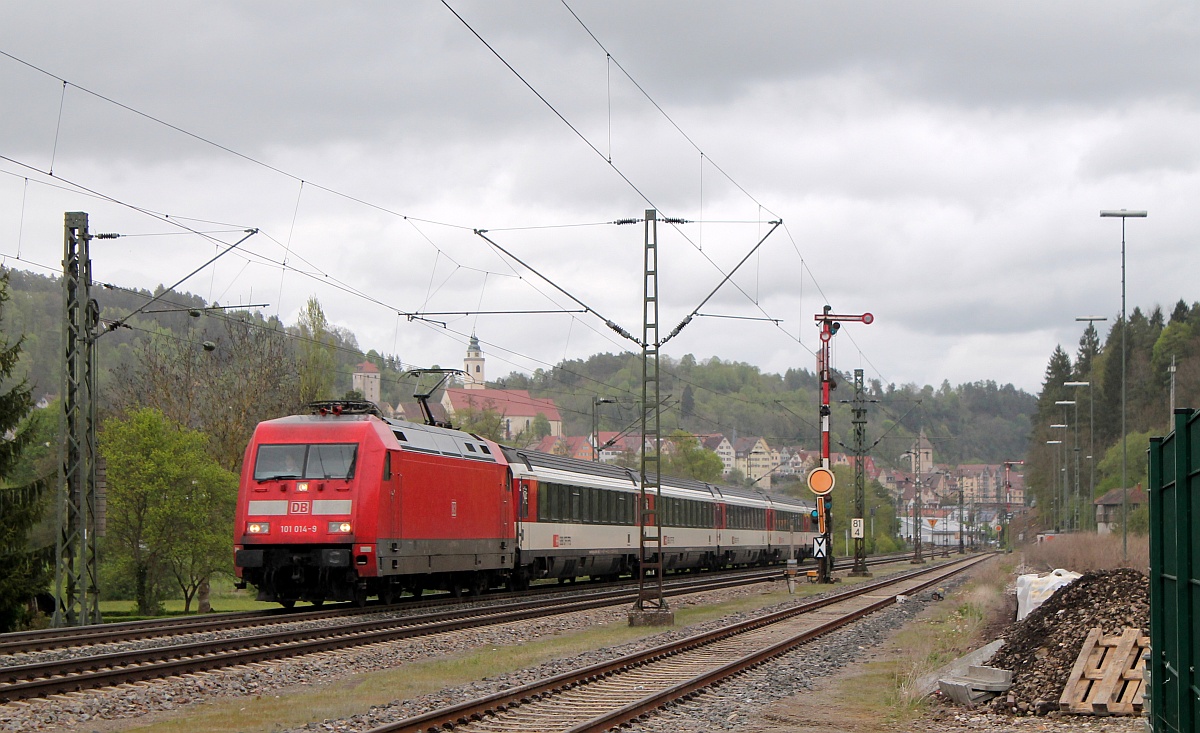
{"x": 1042, "y": 648}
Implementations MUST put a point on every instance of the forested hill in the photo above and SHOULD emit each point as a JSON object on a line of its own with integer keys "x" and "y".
{"x": 1161, "y": 363}
{"x": 981, "y": 422}
{"x": 35, "y": 309}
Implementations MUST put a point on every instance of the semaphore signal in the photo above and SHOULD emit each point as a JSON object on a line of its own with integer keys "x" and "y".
{"x": 830, "y": 324}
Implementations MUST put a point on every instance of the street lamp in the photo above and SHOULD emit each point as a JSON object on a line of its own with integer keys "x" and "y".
{"x": 595, "y": 434}
{"x": 1062, "y": 468}
{"x": 1091, "y": 433}
{"x": 1091, "y": 320}
{"x": 1091, "y": 427}
{"x": 1123, "y": 214}
{"x": 1073, "y": 522}
{"x": 1054, "y": 484}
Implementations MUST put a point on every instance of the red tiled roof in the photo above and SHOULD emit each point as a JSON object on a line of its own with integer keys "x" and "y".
{"x": 711, "y": 442}
{"x": 508, "y": 402}
{"x": 547, "y": 444}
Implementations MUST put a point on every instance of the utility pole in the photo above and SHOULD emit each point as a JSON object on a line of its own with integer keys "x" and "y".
{"x": 76, "y": 569}
{"x": 820, "y": 480}
{"x": 650, "y": 608}
{"x": 80, "y": 493}
{"x": 918, "y": 557}
{"x": 859, "y": 421}
{"x": 597, "y": 401}
{"x": 1007, "y": 499}
{"x": 961, "y": 548}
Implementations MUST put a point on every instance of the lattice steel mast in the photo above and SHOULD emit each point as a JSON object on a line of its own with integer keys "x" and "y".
{"x": 859, "y": 421}
{"x": 76, "y": 557}
{"x": 650, "y": 608}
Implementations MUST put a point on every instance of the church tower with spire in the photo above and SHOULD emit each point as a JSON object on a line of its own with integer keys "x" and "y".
{"x": 473, "y": 366}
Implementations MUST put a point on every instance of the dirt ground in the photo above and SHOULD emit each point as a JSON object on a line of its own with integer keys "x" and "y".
{"x": 837, "y": 704}
{"x": 834, "y": 706}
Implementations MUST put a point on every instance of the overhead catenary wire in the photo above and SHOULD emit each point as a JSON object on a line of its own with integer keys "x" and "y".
{"x": 230, "y": 248}
{"x": 325, "y": 279}
{"x": 268, "y": 166}
{"x": 607, "y": 389}
{"x": 256, "y": 161}
{"x": 595, "y": 149}
{"x": 658, "y": 107}
{"x": 609, "y": 322}
{"x": 225, "y": 148}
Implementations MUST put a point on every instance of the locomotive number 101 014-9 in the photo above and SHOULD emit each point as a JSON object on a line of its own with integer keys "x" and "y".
{"x": 298, "y": 528}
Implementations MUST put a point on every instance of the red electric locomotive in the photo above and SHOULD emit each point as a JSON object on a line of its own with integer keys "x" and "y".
{"x": 343, "y": 504}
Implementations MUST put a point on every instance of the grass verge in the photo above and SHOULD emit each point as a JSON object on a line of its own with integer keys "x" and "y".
{"x": 888, "y": 689}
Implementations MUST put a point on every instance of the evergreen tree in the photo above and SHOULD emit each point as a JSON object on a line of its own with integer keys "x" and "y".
{"x": 24, "y": 572}
{"x": 1180, "y": 312}
{"x": 1089, "y": 349}
{"x": 1108, "y": 397}
{"x": 1058, "y": 371}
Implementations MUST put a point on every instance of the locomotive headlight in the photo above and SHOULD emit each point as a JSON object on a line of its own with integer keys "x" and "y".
{"x": 339, "y": 528}
{"x": 301, "y": 486}
{"x": 258, "y": 528}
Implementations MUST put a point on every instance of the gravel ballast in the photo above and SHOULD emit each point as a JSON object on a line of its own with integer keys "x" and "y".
{"x": 739, "y": 704}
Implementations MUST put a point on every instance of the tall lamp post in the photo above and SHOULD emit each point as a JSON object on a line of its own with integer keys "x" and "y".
{"x": 1091, "y": 436}
{"x": 1123, "y": 214}
{"x": 1091, "y": 320}
{"x": 1074, "y": 519}
{"x": 596, "y": 401}
{"x": 1054, "y": 481}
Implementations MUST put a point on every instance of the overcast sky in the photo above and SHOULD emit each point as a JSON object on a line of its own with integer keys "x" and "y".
{"x": 940, "y": 165}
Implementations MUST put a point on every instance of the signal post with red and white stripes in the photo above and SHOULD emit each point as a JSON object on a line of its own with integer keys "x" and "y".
{"x": 820, "y": 479}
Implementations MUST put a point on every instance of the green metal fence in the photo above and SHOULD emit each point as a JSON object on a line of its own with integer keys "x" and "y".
{"x": 1172, "y": 695}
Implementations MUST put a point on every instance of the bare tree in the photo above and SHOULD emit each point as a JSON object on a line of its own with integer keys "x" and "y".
{"x": 234, "y": 373}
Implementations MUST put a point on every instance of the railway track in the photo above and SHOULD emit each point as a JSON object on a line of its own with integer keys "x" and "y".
{"x": 41, "y": 640}
{"x": 84, "y": 670}
{"x": 606, "y": 695}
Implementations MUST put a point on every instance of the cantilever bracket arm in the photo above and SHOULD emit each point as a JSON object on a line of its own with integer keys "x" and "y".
{"x": 482, "y": 233}
{"x": 683, "y": 324}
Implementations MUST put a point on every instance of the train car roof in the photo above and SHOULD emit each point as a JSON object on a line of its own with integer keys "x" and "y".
{"x": 790, "y": 502}
{"x": 533, "y": 459}
{"x": 442, "y": 441}
{"x": 410, "y": 435}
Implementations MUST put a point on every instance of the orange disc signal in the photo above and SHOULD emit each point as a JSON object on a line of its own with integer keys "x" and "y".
{"x": 820, "y": 481}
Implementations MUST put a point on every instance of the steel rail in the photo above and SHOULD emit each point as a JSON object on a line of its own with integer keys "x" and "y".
{"x": 85, "y": 672}
{"x": 472, "y": 710}
{"x": 81, "y": 636}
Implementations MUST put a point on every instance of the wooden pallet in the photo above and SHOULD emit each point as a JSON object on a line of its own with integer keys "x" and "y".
{"x": 1107, "y": 676}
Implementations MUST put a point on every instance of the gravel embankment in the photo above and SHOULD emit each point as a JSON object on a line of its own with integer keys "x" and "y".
{"x": 724, "y": 708}
{"x": 81, "y": 710}
{"x": 742, "y": 703}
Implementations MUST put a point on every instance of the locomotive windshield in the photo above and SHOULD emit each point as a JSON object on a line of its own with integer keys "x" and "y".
{"x": 296, "y": 461}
